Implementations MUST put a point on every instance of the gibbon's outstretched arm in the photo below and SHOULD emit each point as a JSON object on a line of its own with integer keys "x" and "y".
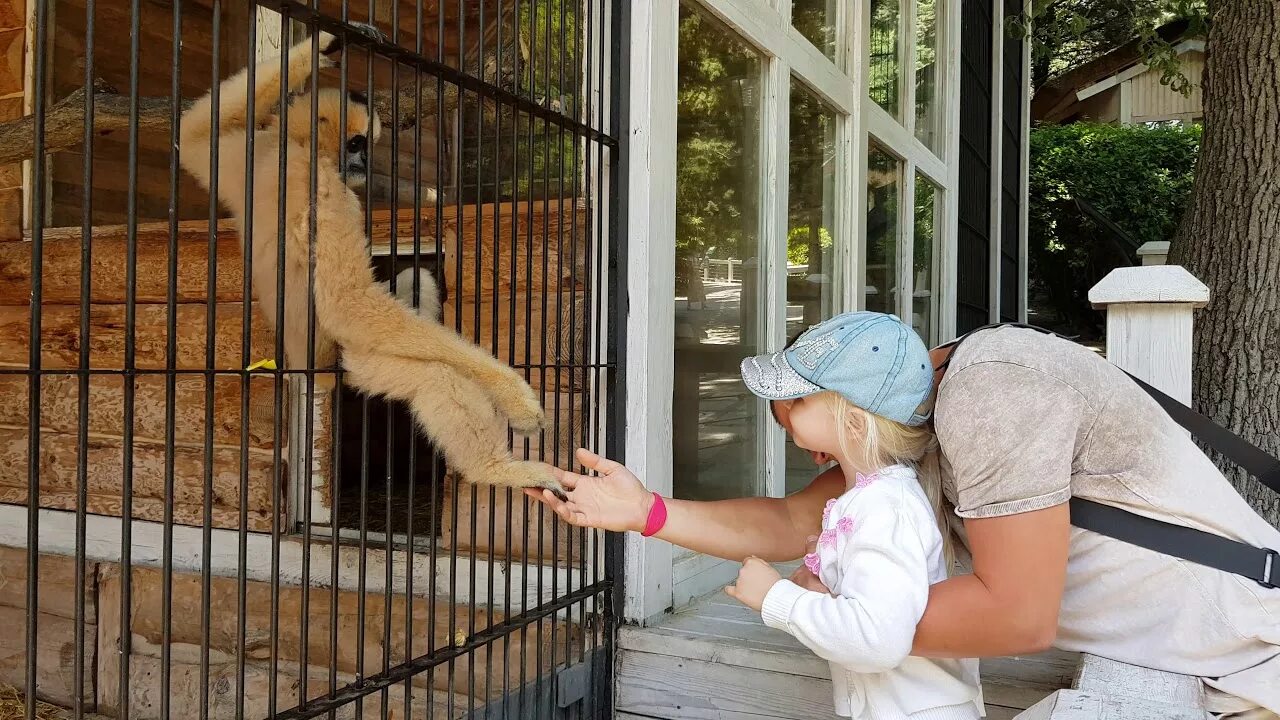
{"x": 233, "y": 123}
{"x": 362, "y": 317}
{"x": 449, "y": 408}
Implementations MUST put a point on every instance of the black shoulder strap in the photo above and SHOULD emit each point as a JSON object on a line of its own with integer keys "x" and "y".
{"x": 1261, "y": 565}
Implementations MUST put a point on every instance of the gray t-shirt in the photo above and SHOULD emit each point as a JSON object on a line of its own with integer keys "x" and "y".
{"x": 1028, "y": 420}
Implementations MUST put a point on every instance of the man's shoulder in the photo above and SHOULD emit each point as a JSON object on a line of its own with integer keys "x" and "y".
{"x": 1015, "y": 351}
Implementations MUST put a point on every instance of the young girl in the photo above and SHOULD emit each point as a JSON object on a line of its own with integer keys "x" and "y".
{"x": 855, "y": 389}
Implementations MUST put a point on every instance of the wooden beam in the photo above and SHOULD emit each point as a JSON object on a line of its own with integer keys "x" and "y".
{"x": 60, "y": 337}
{"x": 59, "y": 478}
{"x": 60, "y": 412}
{"x": 55, "y": 639}
{"x": 446, "y": 627}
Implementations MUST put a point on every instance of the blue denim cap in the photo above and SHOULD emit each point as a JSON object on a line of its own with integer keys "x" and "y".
{"x": 874, "y": 360}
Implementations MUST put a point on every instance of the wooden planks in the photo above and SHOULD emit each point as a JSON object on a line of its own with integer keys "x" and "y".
{"x": 60, "y": 337}
{"x": 105, "y": 477}
{"x": 62, "y": 265}
{"x": 683, "y": 689}
{"x": 55, "y": 625}
{"x": 60, "y": 412}
{"x": 446, "y": 627}
{"x": 490, "y": 237}
{"x": 716, "y": 635}
{"x": 542, "y": 336}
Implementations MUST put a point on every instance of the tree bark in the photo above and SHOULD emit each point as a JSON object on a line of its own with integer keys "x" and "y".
{"x": 1230, "y": 236}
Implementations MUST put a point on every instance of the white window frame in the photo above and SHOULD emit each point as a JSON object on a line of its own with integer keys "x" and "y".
{"x": 658, "y": 578}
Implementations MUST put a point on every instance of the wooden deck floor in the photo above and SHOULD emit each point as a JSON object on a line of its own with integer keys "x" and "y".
{"x": 717, "y": 660}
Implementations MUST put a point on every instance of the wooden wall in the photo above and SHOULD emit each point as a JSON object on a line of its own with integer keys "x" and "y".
{"x": 61, "y": 342}
{"x": 475, "y": 677}
{"x": 12, "y": 90}
{"x": 551, "y": 324}
{"x": 111, "y": 62}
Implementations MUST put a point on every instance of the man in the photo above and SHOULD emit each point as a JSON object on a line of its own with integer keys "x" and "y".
{"x": 1026, "y": 421}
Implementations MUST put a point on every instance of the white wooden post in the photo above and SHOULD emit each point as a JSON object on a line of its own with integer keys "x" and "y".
{"x": 1149, "y": 324}
{"x": 1155, "y": 252}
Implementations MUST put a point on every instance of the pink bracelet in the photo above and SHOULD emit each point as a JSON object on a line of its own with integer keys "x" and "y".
{"x": 657, "y": 517}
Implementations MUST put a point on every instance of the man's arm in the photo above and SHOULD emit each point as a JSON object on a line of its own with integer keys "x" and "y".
{"x": 1009, "y": 605}
{"x": 774, "y": 529}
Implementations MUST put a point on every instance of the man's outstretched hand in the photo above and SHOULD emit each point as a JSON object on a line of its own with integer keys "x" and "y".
{"x": 613, "y": 500}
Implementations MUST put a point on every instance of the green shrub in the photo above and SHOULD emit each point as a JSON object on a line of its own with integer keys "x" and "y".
{"x": 1138, "y": 177}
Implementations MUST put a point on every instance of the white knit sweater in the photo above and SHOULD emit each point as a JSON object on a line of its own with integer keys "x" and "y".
{"x": 879, "y": 552}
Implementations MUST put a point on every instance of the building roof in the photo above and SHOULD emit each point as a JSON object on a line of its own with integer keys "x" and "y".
{"x": 1059, "y": 94}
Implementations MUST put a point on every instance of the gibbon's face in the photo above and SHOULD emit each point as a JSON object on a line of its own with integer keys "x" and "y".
{"x": 362, "y": 130}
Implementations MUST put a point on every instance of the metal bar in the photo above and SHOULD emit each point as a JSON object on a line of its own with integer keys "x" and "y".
{"x": 211, "y": 329}
{"x": 620, "y": 29}
{"x": 130, "y": 349}
{"x": 362, "y": 600}
{"x": 304, "y": 613}
{"x": 337, "y": 436}
{"x": 391, "y": 460}
{"x": 277, "y": 504}
{"x": 86, "y": 287}
{"x": 246, "y": 342}
{"x": 417, "y": 300}
{"x": 437, "y": 68}
{"x": 34, "y": 362}
{"x": 375, "y": 683}
{"x": 171, "y": 347}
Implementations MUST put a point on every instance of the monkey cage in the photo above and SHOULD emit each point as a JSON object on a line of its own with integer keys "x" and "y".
{"x": 193, "y": 524}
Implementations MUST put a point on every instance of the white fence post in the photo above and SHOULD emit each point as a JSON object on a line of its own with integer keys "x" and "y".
{"x": 1149, "y": 325}
{"x": 1149, "y": 313}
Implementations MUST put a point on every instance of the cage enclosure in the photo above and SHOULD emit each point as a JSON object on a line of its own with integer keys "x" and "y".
{"x": 218, "y": 530}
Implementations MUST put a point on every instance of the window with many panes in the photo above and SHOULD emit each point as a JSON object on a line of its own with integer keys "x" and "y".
{"x": 814, "y": 173}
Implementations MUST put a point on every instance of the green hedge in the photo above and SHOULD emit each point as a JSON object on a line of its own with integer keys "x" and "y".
{"x": 1138, "y": 177}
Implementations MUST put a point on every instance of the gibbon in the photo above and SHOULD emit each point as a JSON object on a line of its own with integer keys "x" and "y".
{"x": 455, "y": 388}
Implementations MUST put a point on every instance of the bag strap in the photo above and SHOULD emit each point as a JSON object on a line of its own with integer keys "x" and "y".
{"x": 1262, "y": 565}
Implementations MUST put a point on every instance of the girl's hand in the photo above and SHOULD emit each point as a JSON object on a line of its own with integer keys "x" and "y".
{"x": 615, "y": 500}
{"x": 805, "y": 577}
{"x": 755, "y": 579}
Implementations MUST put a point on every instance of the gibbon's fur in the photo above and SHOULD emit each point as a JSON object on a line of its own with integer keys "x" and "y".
{"x": 456, "y": 389}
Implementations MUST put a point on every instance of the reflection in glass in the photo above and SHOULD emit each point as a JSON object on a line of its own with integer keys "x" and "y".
{"x": 884, "y": 182}
{"x": 816, "y": 20}
{"x": 883, "y": 61}
{"x": 811, "y": 266}
{"x": 928, "y": 73}
{"x": 715, "y": 423}
{"x": 924, "y": 304}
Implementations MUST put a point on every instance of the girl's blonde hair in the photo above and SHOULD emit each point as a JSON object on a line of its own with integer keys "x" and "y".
{"x": 874, "y": 442}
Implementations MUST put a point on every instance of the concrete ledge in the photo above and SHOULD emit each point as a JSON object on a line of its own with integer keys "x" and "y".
{"x": 1109, "y": 690}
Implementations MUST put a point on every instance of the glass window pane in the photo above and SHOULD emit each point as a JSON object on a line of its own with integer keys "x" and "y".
{"x": 928, "y": 74}
{"x": 924, "y": 305}
{"x": 884, "y": 182}
{"x": 811, "y": 265}
{"x": 816, "y": 20}
{"x": 716, "y": 421}
{"x": 884, "y": 64}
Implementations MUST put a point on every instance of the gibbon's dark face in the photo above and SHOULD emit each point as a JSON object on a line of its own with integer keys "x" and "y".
{"x": 359, "y": 136}
{"x": 349, "y": 150}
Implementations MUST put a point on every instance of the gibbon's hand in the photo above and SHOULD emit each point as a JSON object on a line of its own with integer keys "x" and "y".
{"x": 331, "y": 45}
{"x": 614, "y": 500}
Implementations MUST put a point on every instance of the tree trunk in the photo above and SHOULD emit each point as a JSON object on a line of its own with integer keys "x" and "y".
{"x": 1230, "y": 237}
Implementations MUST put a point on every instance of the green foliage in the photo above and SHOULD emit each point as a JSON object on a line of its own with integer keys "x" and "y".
{"x": 716, "y": 178}
{"x": 1137, "y": 177}
{"x": 1068, "y": 33}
